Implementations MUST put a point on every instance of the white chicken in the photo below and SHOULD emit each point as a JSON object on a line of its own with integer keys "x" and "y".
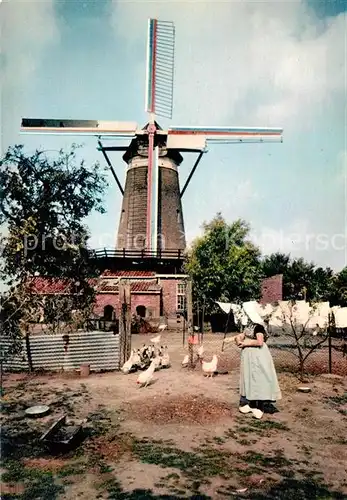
{"x": 161, "y": 328}
{"x": 210, "y": 367}
{"x": 156, "y": 339}
{"x": 142, "y": 349}
{"x": 150, "y": 351}
{"x": 201, "y": 351}
{"x": 136, "y": 358}
{"x": 145, "y": 377}
{"x": 185, "y": 360}
{"x": 165, "y": 358}
{"x": 128, "y": 364}
{"x": 157, "y": 359}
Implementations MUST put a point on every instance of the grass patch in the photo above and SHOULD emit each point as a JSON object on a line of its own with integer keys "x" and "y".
{"x": 261, "y": 427}
{"x": 206, "y": 462}
{"x": 306, "y": 489}
{"x": 72, "y": 470}
{"x": 37, "y": 484}
{"x": 202, "y": 463}
{"x": 276, "y": 461}
{"x": 244, "y": 433}
{"x": 336, "y": 402}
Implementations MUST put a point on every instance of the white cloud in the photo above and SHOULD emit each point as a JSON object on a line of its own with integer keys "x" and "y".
{"x": 28, "y": 28}
{"x": 287, "y": 240}
{"x": 262, "y": 63}
{"x": 299, "y": 239}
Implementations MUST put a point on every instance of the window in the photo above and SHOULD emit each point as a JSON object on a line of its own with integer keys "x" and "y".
{"x": 141, "y": 311}
{"x": 109, "y": 314}
{"x": 181, "y": 297}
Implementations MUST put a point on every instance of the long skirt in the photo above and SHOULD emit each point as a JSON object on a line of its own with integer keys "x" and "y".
{"x": 258, "y": 378}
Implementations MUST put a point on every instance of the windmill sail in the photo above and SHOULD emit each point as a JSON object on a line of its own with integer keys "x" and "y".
{"x": 160, "y": 67}
{"x": 181, "y": 137}
{"x": 151, "y": 217}
{"x": 78, "y": 127}
{"x": 155, "y": 201}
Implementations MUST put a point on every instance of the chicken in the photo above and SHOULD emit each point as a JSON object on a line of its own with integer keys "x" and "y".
{"x": 156, "y": 339}
{"x": 142, "y": 349}
{"x": 316, "y": 331}
{"x": 136, "y": 358}
{"x": 157, "y": 360}
{"x": 161, "y": 328}
{"x": 210, "y": 367}
{"x": 128, "y": 364}
{"x": 201, "y": 352}
{"x": 185, "y": 360}
{"x": 145, "y": 377}
{"x": 165, "y": 358}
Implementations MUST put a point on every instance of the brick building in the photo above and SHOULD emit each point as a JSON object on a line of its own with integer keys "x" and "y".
{"x": 153, "y": 295}
{"x": 272, "y": 289}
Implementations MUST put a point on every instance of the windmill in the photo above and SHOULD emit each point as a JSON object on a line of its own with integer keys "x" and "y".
{"x": 151, "y": 218}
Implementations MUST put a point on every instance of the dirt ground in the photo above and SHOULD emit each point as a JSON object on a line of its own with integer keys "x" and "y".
{"x": 181, "y": 437}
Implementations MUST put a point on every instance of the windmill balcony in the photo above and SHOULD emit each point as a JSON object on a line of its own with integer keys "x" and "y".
{"x": 162, "y": 261}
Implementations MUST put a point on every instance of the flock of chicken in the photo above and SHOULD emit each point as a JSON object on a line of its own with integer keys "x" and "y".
{"x": 209, "y": 368}
{"x": 150, "y": 358}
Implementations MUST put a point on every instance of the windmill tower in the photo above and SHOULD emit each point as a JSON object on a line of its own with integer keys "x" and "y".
{"x": 161, "y": 199}
{"x": 151, "y": 219}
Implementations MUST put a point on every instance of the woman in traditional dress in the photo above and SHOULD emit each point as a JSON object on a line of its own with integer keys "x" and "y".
{"x": 258, "y": 380}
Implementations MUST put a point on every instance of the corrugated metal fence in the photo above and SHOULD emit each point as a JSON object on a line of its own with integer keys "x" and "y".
{"x": 101, "y": 350}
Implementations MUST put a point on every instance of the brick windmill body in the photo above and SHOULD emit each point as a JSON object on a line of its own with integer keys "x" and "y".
{"x": 169, "y": 226}
{"x": 150, "y": 243}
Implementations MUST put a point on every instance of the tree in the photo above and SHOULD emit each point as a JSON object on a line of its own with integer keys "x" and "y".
{"x": 44, "y": 204}
{"x": 303, "y": 329}
{"x": 298, "y": 278}
{"x": 321, "y": 286}
{"x": 339, "y": 289}
{"x": 224, "y": 264}
{"x": 301, "y": 279}
{"x": 10, "y": 318}
{"x": 275, "y": 263}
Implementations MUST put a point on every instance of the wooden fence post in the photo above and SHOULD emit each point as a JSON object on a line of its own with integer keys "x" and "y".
{"x": 329, "y": 343}
{"x": 121, "y": 323}
{"x": 127, "y": 297}
{"x": 202, "y": 323}
{"x": 190, "y": 322}
{"x": 124, "y": 320}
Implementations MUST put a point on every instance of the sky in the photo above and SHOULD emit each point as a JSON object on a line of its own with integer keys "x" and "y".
{"x": 237, "y": 63}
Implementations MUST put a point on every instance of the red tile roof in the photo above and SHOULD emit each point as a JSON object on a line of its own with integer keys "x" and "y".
{"x": 149, "y": 286}
{"x": 50, "y": 285}
{"x": 140, "y": 286}
{"x": 124, "y": 274}
{"x": 45, "y": 285}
